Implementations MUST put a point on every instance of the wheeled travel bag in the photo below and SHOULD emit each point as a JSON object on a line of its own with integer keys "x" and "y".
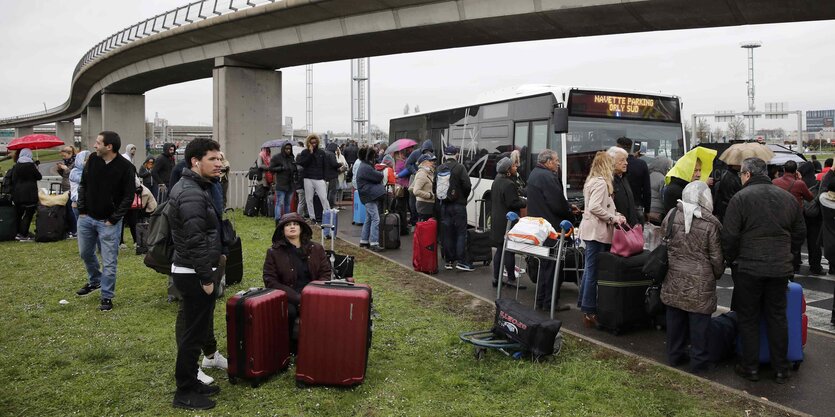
{"x": 235, "y": 263}
{"x": 257, "y": 334}
{"x": 8, "y": 220}
{"x": 531, "y": 329}
{"x": 253, "y": 203}
{"x": 478, "y": 246}
{"x": 334, "y": 333}
{"x": 359, "y": 210}
{"x": 269, "y": 209}
{"x": 142, "y": 231}
{"x": 330, "y": 217}
{"x": 621, "y": 289}
{"x": 797, "y": 322}
{"x": 49, "y": 224}
{"x": 390, "y": 230}
{"x": 425, "y": 247}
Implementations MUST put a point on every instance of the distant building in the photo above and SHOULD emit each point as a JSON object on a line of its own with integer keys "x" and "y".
{"x": 816, "y": 120}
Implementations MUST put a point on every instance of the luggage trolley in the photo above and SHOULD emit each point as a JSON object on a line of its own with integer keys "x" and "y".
{"x": 486, "y": 339}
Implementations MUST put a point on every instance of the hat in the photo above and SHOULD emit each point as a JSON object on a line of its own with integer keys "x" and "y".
{"x": 451, "y": 150}
{"x": 430, "y": 157}
{"x": 278, "y": 235}
{"x": 504, "y": 165}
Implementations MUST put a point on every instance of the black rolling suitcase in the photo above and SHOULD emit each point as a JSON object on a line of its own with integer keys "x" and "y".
{"x": 142, "y": 231}
{"x": 235, "y": 263}
{"x": 8, "y": 219}
{"x": 390, "y": 231}
{"x": 269, "y": 208}
{"x": 49, "y": 225}
{"x": 478, "y": 239}
{"x": 621, "y": 288}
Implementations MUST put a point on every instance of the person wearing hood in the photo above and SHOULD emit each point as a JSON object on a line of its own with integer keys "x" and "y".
{"x": 504, "y": 198}
{"x": 130, "y": 153}
{"x": 658, "y": 168}
{"x": 25, "y": 177}
{"x": 423, "y": 187}
{"x": 689, "y": 288}
{"x": 283, "y": 166}
{"x": 313, "y": 161}
{"x": 161, "y": 172}
{"x": 144, "y": 173}
{"x": 827, "y": 236}
{"x": 813, "y": 223}
{"x": 292, "y": 262}
{"x": 694, "y": 165}
{"x": 759, "y": 247}
{"x": 408, "y": 171}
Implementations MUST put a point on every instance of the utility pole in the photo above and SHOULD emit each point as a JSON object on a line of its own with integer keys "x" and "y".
{"x": 750, "y": 46}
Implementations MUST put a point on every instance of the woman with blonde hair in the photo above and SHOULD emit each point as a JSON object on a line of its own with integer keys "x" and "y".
{"x": 597, "y": 227}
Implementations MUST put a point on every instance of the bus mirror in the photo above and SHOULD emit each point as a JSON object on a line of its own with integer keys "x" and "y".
{"x": 559, "y": 119}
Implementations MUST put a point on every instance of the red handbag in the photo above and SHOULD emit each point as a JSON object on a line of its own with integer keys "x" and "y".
{"x": 137, "y": 201}
{"x": 628, "y": 241}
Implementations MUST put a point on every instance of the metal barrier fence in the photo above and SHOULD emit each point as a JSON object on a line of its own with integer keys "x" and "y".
{"x": 183, "y": 15}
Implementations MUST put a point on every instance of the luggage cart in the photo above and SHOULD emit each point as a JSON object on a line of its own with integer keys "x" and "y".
{"x": 486, "y": 339}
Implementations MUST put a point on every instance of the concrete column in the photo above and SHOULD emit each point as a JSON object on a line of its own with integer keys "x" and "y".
{"x": 66, "y": 131}
{"x": 125, "y": 115}
{"x": 93, "y": 126}
{"x": 247, "y": 110}
{"x": 84, "y": 130}
{"x": 20, "y": 132}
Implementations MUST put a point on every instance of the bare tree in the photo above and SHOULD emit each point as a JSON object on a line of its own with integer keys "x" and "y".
{"x": 718, "y": 134}
{"x": 736, "y": 128}
{"x": 702, "y": 130}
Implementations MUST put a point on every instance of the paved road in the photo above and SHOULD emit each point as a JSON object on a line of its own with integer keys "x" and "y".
{"x": 810, "y": 389}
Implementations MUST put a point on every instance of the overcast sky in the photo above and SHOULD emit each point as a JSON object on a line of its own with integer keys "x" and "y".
{"x": 42, "y": 40}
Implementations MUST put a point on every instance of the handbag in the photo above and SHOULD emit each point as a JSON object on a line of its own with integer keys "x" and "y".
{"x": 658, "y": 261}
{"x": 628, "y": 241}
{"x": 812, "y": 209}
{"x": 137, "y": 201}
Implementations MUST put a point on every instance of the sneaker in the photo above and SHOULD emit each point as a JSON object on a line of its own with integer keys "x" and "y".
{"x": 449, "y": 266}
{"x": 87, "y": 289}
{"x": 376, "y": 248}
{"x": 216, "y": 361}
{"x": 24, "y": 238}
{"x": 207, "y": 390}
{"x": 106, "y": 304}
{"x": 463, "y": 266}
{"x": 203, "y": 378}
{"x": 192, "y": 400}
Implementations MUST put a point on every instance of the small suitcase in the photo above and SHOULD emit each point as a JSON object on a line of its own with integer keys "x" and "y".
{"x": 269, "y": 209}
{"x": 235, "y": 263}
{"x": 425, "y": 247}
{"x": 797, "y": 321}
{"x": 142, "y": 230}
{"x": 8, "y": 221}
{"x": 621, "y": 288}
{"x": 330, "y": 217}
{"x": 253, "y": 202}
{"x": 334, "y": 333}
{"x": 359, "y": 210}
{"x": 258, "y": 336}
{"x": 50, "y": 225}
{"x": 478, "y": 246}
{"x": 390, "y": 231}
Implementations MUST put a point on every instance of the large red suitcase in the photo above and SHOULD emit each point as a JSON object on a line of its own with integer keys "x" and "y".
{"x": 258, "y": 339}
{"x": 334, "y": 333}
{"x": 425, "y": 247}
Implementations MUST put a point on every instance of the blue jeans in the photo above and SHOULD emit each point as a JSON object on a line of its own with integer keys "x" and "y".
{"x": 94, "y": 233}
{"x": 454, "y": 219}
{"x": 371, "y": 227}
{"x": 587, "y": 300}
{"x": 282, "y": 203}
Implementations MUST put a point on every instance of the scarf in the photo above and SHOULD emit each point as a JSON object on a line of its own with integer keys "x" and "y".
{"x": 695, "y": 197}
{"x": 25, "y": 156}
{"x": 265, "y": 157}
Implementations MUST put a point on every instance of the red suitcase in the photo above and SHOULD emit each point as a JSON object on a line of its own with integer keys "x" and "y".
{"x": 425, "y": 247}
{"x": 258, "y": 340}
{"x": 334, "y": 333}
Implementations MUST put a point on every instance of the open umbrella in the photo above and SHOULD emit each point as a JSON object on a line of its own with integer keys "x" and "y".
{"x": 34, "y": 142}
{"x": 275, "y": 143}
{"x": 399, "y": 145}
{"x": 738, "y": 152}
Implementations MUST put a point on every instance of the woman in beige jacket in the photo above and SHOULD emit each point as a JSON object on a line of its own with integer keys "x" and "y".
{"x": 596, "y": 229}
{"x": 423, "y": 186}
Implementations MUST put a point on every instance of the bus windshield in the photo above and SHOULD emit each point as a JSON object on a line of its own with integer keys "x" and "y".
{"x": 589, "y": 135}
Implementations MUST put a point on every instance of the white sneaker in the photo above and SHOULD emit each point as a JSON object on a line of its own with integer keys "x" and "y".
{"x": 202, "y": 377}
{"x": 216, "y": 361}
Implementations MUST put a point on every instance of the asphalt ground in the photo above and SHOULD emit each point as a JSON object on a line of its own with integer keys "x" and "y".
{"x": 808, "y": 391}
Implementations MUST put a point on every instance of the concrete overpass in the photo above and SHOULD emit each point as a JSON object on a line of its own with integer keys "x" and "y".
{"x": 242, "y": 46}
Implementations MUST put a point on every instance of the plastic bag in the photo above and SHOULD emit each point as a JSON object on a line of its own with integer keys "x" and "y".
{"x": 532, "y": 230}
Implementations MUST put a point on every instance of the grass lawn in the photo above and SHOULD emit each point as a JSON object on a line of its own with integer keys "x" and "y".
{"x": 61, "y": 360}
{"x": 47, "y": 155}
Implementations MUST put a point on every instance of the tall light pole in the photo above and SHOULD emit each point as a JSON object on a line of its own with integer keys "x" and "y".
{"x": 750, "y": 46}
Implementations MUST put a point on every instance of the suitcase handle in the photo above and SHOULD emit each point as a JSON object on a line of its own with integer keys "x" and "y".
{"x": 339, "y": 283}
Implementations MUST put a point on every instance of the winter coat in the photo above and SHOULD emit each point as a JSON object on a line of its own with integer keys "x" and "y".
{"x": 795, "y": 187}
{"x": 195, "y": 227}
{"x": 695, "y": 263}
{"x": 672, "y": 193}
{"x": 65, "y": 173}
{"x": 827, "y": 205}
{"x": 624, "y": 199}
{"x": 424, "y": 185}
{"x": 25, "y": 179}
{"x": 598, "y": 217}
{"x": 411, "y": 167}
{"x": 728, "y": 185}
{"x": 284, "y": 168}
{"x": 545, "y": 197}
{"x": 279, "y": 269}
{"x": 656, "y": 185}
{"x": 312, "y": 162}
{"x": 163, "y": 165}
{"x": 145, "y": 175}
{"x": 762, "y": 227}
{"x": 504, "y": 197}
{"x": 332, "y": 166}
{"x": 369, "y": 183}
{"x": 637, "y": 172}
{"x": 75, "y": 174}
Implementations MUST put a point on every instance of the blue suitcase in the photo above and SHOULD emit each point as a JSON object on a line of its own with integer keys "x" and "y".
{"x": 330, "y": 217}
{"x": 359, "y": 209}
{"x": 797, "y": 324}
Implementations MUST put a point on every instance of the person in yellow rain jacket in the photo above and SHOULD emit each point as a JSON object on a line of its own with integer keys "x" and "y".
{"x": 696, "y": 164}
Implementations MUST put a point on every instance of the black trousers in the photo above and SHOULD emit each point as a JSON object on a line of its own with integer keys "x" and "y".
{"x": 209, "y": 346}
{"x": 545, "y": 283}
{"x": 193, "y": 323}
{"x": 509, "y": 266}
{"x": 755, "y": 297}
{"x": 685, "y": 328}
{"x": 413, "y": 209}
{"x": 293, "y": 312}
{"x": 813, "y": 244}
{"x": 24, "y": 218}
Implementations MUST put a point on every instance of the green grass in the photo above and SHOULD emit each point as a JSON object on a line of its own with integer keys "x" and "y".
{"x": 60, "y": 360}
{"x": 48, "y": 155}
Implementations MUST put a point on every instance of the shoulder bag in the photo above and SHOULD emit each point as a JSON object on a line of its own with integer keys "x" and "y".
{"x": 656, "y": 268}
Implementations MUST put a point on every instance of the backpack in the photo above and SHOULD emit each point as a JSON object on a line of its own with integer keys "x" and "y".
{"x": 8, "y": 182}
{"x": 443, "y": 191}
{"x": 254, "y": 173}
{"x": 160, "y": 246}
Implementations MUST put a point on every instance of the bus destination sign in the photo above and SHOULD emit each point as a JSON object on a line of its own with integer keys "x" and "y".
{"x": 623, "y": 106}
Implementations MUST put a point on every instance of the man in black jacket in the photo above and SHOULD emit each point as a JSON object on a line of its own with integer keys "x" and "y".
{"x": 637, "y": 173}
{"x": 195, "y": 232}
{"x": 105, "y": 194}
{"x": 454, "y": 209}
{"x": 161, "y": 172}
{"x": 546, "y": 200}
{"x": 313, "y": 159}
{"x": 763, "y": 225}
{"x": 283, "y": 166}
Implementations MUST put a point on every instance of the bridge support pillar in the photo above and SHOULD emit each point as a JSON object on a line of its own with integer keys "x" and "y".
{"x": 247, "y": 110}
{"x": 23, "y": 131}
{"x": 66, "y": 131}
{"x": 125, "y": 115}
{"x": 90, "y": 126}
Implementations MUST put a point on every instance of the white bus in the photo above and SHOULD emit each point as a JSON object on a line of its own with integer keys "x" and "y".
{"x": 574, "y": 122}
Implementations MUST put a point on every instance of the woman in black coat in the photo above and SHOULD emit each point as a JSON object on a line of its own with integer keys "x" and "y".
{"x": 25, "y": 179}
{"x": 827, "y": 205}
{"x": 504, "y": 197}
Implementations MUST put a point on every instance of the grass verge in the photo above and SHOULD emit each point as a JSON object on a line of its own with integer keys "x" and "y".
{"x": 73, "y": 360}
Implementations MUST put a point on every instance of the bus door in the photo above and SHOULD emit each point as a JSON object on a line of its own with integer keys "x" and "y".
{"x": 531, "y": 138}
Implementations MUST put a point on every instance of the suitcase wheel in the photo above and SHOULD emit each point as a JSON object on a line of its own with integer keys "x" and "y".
{"x": 233, "y": 380}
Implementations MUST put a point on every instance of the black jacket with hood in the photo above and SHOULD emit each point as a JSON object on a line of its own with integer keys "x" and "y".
{"x": 312, "y": 162}
{"x": 195, "y": 228}
{"x": 163, "y": 165}
{"x": 284, "y": 168}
